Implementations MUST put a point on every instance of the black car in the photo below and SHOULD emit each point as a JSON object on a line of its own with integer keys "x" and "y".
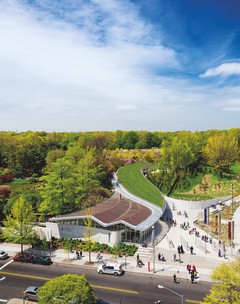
{"x": 43, "y": 260}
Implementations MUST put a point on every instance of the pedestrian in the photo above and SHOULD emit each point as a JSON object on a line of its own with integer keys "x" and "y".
{"x": 189, "y": 268}
{"x": 179, "y": 258}
{"x": 181, "y": 249}
{"x": 192, "y": 277}
{"x": 163, "y": 258}
{"x": 77, "y": 255}
{"x": 191, "y": 249}
{"x": 174, "y": 278}
{"x": 219, "y": 253}
{"x": 159, "y": 256}
{"x": 138, "y": 257}
{"x": 174, "y": 257}
{"x": 80, "y": 254}
{"x": 194, "y": 268}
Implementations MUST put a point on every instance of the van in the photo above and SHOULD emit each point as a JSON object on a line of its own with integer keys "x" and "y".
{"x": 115, "y": 269}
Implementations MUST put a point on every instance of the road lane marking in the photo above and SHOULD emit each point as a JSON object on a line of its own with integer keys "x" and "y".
{"x": 24, "y": 275}
{"x": 4, "y": 301}
{"x": 193, "y": 301}
{"x": 6, "y": 264}
{"x": 115, "y": 289}
{"x": 47, "y": 279}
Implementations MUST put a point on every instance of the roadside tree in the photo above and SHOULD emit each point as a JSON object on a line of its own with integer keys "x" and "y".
{"x": 226, "y": 284}
{"x": 19, "y": 223}
{"x": 68, "y": 288}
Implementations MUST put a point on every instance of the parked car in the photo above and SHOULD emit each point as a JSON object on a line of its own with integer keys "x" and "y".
{"x": 23, "y": 257}
{"x": 3, "y": 255}
{"x": 43, "y": 260}
{"x": 30, "y": 294}
{"x": 115, "y": 269}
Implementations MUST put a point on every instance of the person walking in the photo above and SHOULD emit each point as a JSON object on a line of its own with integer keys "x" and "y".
{"x": 191, "y": 249}
{"x": 174, "y": 278}
{"x": 159, "y": 256}
{"x": 174, "y": 257}
{"x": 80, "y": 255}
{"x": 189, "y": 268}
{"x": 77, "y": 255}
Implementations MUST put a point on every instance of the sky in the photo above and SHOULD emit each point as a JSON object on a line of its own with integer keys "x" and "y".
{"x": 107, "y": 65}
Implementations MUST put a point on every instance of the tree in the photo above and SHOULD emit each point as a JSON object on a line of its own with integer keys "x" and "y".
{"x": 226, "y": 284}
{"x": 58, "y": 190}
{"x": 68, "y": 288}
{"x": 221, "y": 152}
{"x": 88, "y": 233}
{"x": 68, "y": 246}
{"x": 19, "y": 223}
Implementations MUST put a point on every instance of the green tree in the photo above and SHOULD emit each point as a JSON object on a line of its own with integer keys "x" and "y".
{"x": 221, "y": 152}
{"x": 226, "y": 284}
{"x": 88, "y": 234}
{"x": 19, "y": 223}
{"x": 58, "y": 188}
{"x": 68, "y": 288}
{"x": 68, "y": 245}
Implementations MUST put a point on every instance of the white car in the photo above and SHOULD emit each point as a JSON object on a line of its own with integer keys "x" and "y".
{"x": 3, "y": 255}
{"x": 115, "y": 269}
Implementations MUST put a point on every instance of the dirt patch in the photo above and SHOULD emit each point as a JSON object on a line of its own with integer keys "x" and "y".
{"x": 203, "y": 186}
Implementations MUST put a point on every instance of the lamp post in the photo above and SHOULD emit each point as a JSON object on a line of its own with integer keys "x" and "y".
{"x": 181, "y": 296}
{"x": 153, "y": 244}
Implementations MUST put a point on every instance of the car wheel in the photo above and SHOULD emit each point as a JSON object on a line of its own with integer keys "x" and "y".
{"x": 100, "y": 271}
{"x": 27, "y": 298}
{"x": 115, "y": 273}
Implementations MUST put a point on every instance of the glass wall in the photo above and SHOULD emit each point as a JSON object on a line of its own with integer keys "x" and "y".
{"x": 129, "y": 235}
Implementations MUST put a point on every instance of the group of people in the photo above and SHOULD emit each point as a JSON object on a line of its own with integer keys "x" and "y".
{"x": 78, "y": 255}
{"x": 184, "y": 213}
{"x": 161, "y": 257}
{"x": 192, "y": 271}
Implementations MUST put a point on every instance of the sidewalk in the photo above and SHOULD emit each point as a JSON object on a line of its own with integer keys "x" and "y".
{"x": 204, "y": 264}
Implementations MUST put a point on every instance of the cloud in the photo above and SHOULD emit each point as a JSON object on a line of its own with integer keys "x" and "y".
{"x": 93, "y": 65}
{"x": 225, "y": 69}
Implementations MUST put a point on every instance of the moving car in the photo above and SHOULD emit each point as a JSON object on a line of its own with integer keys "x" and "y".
{"x": 23, "y": 257}
{"x": 3, "y": 255}
{"x": 43, "y": 260}
{"x": 30, "y": 294}
{"x": 115, "y": 269}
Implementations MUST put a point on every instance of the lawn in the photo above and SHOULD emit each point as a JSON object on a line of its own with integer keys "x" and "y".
{"x": 133, "y": 180}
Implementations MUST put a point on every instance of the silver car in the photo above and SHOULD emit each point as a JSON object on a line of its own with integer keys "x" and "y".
{"x": 3, "y": 255}
{"x": 115, "y": 269}
{"x": 30, "y": 294}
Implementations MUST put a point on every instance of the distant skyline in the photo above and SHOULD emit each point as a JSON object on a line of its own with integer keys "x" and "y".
{"x": 106, "y": 65}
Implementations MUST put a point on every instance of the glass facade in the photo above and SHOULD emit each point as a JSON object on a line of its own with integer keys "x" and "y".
{"x": 129, "y": 235}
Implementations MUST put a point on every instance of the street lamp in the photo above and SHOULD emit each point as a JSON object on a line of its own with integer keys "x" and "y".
{"x": 181, "y": 296}
{"x": 153, "y": 244}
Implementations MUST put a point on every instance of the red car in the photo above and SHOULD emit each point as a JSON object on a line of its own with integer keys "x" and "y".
{"x": 23, "y": 257}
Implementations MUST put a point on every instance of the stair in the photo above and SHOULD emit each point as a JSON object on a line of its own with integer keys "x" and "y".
{"x": 144, "y": 252}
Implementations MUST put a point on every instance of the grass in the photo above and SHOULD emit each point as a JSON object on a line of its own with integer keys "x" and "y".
{"x": 132, "y": 179}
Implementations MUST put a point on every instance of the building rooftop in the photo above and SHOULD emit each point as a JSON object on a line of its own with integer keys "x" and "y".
{"x": 117, "y": 209}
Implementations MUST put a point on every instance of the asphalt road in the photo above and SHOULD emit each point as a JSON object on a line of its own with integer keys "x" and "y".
{"x": 131, "y": 288}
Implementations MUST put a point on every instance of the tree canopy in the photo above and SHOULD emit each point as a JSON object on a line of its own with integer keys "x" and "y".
{"x": 226, "y": 284}
{"x": 68, "y": 288}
